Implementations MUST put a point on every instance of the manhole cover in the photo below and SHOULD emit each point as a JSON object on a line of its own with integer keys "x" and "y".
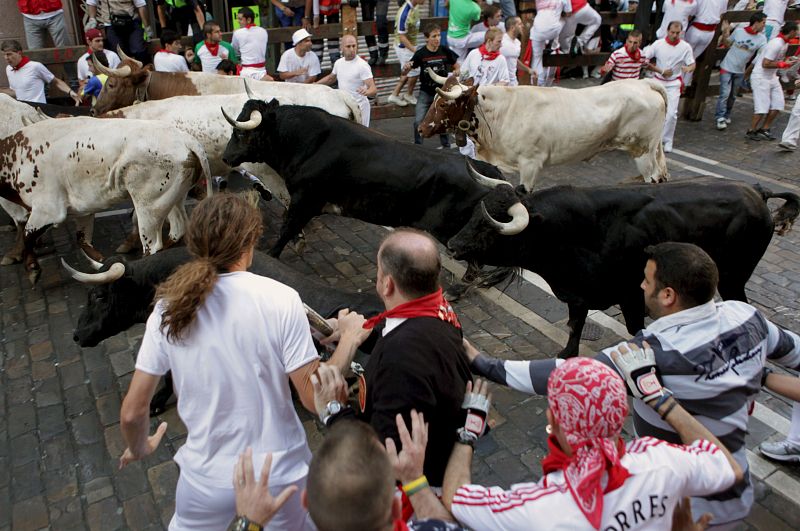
{"x": 591, "y": 332}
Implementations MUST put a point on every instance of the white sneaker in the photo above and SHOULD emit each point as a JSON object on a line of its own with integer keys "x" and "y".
{"x": 781, "y": 451}
{"x": 410, "y": 98}
{"x": 721, "y": 125}
{"x": 668, "y": 147}
{"x": 728, "y": 121}
{"x": 786, "y": 146}
{"x": 397, "y": 100}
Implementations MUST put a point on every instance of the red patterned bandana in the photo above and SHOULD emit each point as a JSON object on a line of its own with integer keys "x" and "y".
{"x": 433, "y": 305}
{"x": 589, "y": 402}
{"x": 25, "y": 60}
{"x": 212, "y": 47}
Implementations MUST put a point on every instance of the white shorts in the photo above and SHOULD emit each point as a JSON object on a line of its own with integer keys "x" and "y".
{"x": 404, "y": 55}
{"x": 253, "y": 73}
{"x": 767, "y": 94}
{"x": 459, "y": 47}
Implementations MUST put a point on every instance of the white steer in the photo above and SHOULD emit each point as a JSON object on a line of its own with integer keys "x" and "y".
{"x": 82, "y": 166}
{"x": 526, "y": 128}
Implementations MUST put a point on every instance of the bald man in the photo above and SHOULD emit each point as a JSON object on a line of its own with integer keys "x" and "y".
{"x": 353, "y": 75}
{"x": 419, "y": 362}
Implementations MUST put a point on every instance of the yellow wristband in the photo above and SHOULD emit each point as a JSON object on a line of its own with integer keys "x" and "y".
{"x": 415, "y": 486}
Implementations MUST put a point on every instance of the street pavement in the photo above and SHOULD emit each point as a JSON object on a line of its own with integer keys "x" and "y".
{"x": 59, "y": 404}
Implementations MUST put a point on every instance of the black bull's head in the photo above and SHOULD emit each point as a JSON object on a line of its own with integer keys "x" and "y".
{"x": 246, "y": 144}
{"x": 453, "y": 109}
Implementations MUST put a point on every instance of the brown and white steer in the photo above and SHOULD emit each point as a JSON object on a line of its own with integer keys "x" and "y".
{"x": 524, "y": 128}
{"x": 133, "y": 83}
{"x": 81, "y": 166}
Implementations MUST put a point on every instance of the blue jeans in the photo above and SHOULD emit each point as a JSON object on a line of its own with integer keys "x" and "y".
{"x": 729, "y": 84}
{"x": 296, "y": 20}
{"x": 424, "y": 101}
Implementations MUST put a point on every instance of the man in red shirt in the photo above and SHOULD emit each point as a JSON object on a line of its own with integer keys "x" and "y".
{"x": 41, "y": 18}
{"x": 626, "y": 62}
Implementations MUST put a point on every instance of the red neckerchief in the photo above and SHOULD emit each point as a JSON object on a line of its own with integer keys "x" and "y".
{"x": 399, "y": 525}
{"x": 672, "y": 43}
{"x": 248, "y": 26}
{"x": 433, "y": 305}
{"x": 25, "y": 60}
{"x": 163, "y": 50}
{"x": 750, "y": 30}
{"x": 212, "y": 47}
{"x": 486, "y": 54}
{"x": 782, "y": 36}
{"x": 486, "y": 23}
{"x": 558, "y": 460}
{"x": 637, "y": 56}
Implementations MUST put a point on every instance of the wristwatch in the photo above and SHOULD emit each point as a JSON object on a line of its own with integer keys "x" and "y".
{"x": 333, "y": 407}
{"x": 243, "y": 524}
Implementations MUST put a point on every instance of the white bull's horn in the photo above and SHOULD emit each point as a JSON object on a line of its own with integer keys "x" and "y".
{"x": 519, "y": 221}
{"x": 436, "y": 77}
{"x": 452, "y": 94}
{"x": 250, "y": 95}
{"x": 124, "y": 57}
{"x": 482, "y": 179}
{"x": 123, "y": 71}
{"x": 97, "y": 266}
{"x": 42, "y": 116}
{"x": 252, "y": 123}
{"x": 114, "y": 272}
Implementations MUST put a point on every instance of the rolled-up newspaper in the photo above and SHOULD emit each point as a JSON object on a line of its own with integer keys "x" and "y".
{"x": 317, "y": 322}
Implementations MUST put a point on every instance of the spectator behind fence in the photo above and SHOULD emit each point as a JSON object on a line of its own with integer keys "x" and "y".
{"x": 582, "y": 14}
{"x": 94, "y": 39}
{"x": 226, "y": 67}
{"x": 592, "y": 479}
{"x": 328, "y": 13}
{"x": 41, "y": 18}
{"x": 676, "y": 11}
{"x": 185, "y": 17}
{"x": 545, "y": 31}
{"x": 250, "y": 44}
{"x": 377, "y": 10}
{"x": 289, "y": 13}
{"x": 742, "y": 44}
{"x": 354, "y": 76}
{"x": 170, "y": 57}
{"x": 233, "y": 341}
{"x": 299, "y": 64}
{"x": 27, "y": 79}
{"x": 436, "y": 57}
{"x": 768, "y": 100}
{"x": 405, "y": 44}
{"x": 213, "y": 49}
{"x": 701, "y": 31}
{"x": 691, "y": 331}
{"x": 776, "y": 12}
{"x": 461, "y": 15}
{"x": 491, "y": 17}
{"x": 122, "y": 21}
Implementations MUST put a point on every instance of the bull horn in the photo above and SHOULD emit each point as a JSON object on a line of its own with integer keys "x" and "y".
{"x": 482, "y": 179}
{"x": 436, "y": 77}
{"x": 252, "y": 123}
{"x": 124, "y": 56}
{"x": 97, "y": 266}
{"x": 452, "y": 94}
{"x": 123, "y": 71}
{"x": 250, "y": 95}
{"x": 114, "y": 272}
{"x": 519, "y": 221}
{"x": 42, "y": 116}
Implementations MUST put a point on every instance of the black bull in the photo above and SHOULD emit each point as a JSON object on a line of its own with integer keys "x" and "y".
{"x": 116, "y": 306}
{"x": 327, "y": 161}
{"x": 588, "y": 243}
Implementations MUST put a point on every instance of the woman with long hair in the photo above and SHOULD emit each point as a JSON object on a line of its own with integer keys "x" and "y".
{"x": 233, "y": 341}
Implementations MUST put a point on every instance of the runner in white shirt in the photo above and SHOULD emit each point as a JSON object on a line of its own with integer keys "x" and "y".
{"x": 491, "y": 17}
{"x": 768, "y": 98}
{"x": 703, "y": 28}
{"x": 673, "y": 59}
{"x": 676, "y": 10}
{"x": 354, "y": 76}
{"x": 593, "y": 480}
{"x": 511, "y": 48}
{"x": 94, "y": 38}
{"x": 27, "y": 78}
{"x": 232, "y": 357}
{"x": 775, "y": 11}
{"x": 546, "y": 28}
{"x": 250, "y": 43}
{"x": 298, "y": 64}
{"x": 169, "y": 58}
{"x": 485, "y": 64}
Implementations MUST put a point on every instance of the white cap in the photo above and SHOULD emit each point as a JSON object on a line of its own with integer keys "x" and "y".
{"x": 299, "y": 35}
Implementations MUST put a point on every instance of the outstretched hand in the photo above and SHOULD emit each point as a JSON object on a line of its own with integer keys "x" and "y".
{"x": 128, "y": 456}
{"x": 253, "y": 499}
{"x": 408, "y": 464}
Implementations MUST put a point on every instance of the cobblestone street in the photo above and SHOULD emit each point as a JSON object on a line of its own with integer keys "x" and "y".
{"x": 59, "y": 404}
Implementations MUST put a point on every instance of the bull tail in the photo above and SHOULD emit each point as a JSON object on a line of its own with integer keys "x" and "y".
{"x": 658, "y": 87}
{"x": 205, "y": 170}
{"x": 785, "y": 216}
{"x": 352, "y": 104}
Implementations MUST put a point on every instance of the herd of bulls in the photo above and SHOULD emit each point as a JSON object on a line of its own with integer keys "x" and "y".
{"x": 307, "y": 146}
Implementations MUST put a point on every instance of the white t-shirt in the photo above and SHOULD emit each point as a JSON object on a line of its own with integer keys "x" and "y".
{"x": 679, "y": 10}
{"x": 350, "y": 75}
{"x": 83, "y": 63}
{"x": 169, "y": 62}
{"x": 775, "y": 50}
{"x": 671, "y": 57}
{"x": 290, "y": 62}
{"x": 510, "y": 49}
{"x": 251, "y": 45}
{"x": 775, "y": 10}
{"x": 230, "y": 374}
{"x": 28, "y": 82}
{"x": 485, "y": 72}
{"x": 661, "y": 475}
{"x": 710, "y": 11}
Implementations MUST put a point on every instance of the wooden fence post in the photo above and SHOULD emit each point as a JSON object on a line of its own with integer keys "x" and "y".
{"x": 349, "y": 20}
{"x": 700, "y": 81}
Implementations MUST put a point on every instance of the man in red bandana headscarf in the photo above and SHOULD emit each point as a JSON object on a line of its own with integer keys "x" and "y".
{"x": 592, "y": 479}
{"x": 419, "y": 361}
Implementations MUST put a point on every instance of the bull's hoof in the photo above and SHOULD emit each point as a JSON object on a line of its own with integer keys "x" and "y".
{"x": 456, "y": 291}
{"x": 9, "y": 259}
{"x": 494, "y": 276}
{"x": 33, "y": 276}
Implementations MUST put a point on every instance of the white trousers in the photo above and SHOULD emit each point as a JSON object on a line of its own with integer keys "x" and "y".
{"x": 767, "y": 94}
{"x": 253, "y": 73}
{"x": 458, "y": 46}
{"x": 790, "y": 137}
{"x": 699, "y": 40}
{"x": 546, "y": 28}
{"x": 591, "y": 22}
{"x": 673, "y": 98}
{"x": 207, "y": 508}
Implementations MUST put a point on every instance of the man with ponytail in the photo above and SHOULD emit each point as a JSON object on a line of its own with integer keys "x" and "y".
{"x": 233, "y": 341}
